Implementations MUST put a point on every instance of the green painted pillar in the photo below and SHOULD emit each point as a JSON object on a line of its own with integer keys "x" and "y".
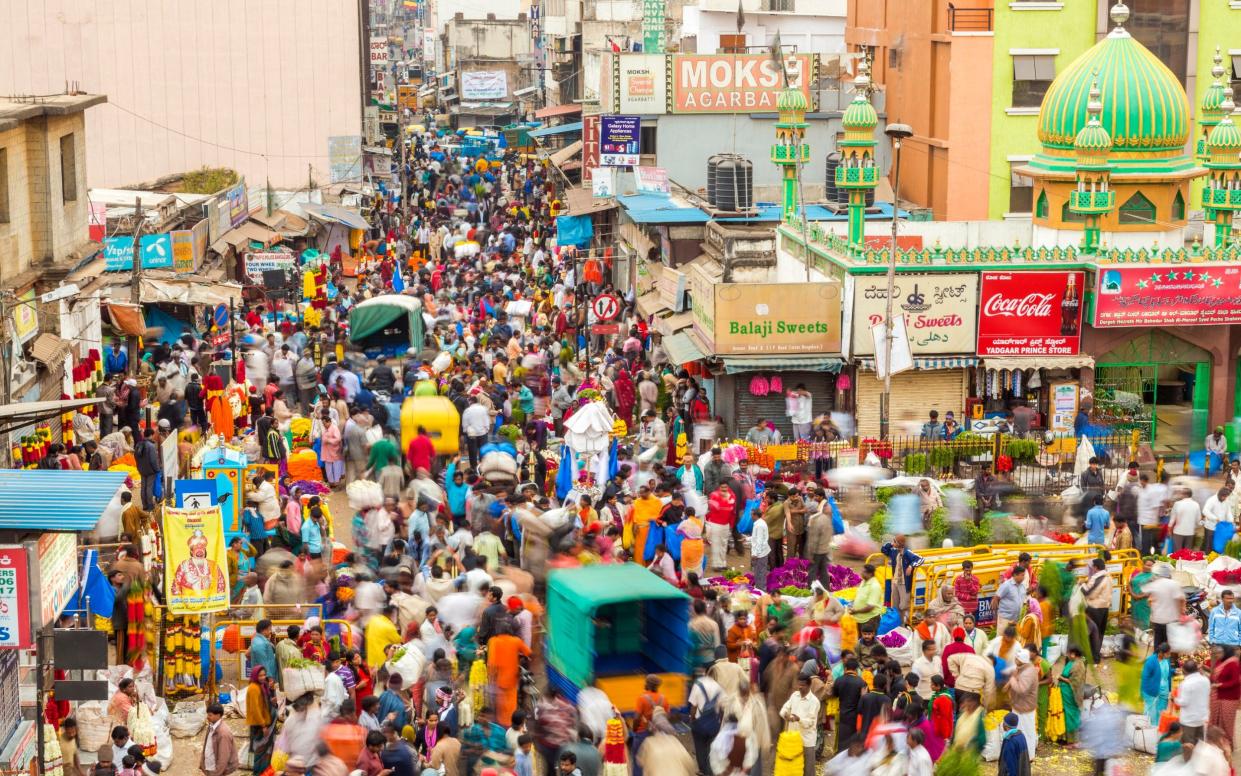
{"x": 857, "y": 217}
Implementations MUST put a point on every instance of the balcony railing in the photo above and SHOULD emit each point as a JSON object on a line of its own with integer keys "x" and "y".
{"x": 785, "y": 153}
{"x": 857, "y": 177}
{"x": 970, "y": 19}
{"x": 1091, "y": 202}
{"x": 1221, "y": 199}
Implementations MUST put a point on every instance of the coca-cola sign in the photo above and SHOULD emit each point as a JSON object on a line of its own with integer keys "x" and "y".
{"x": 1030, "y": 313}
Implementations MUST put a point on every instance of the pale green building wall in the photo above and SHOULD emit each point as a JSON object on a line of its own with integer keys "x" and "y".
{"x": 1219, "y": 24}
{"x": 1069, "y": 28}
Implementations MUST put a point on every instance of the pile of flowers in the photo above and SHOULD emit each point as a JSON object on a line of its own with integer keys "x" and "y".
{"x": 796, "y": 573}
{"x": 1060, "y": 536}
{"x": 731, "y": 580}
{"x": 892, "y": 640}
{"x": 1004, "y": 464}
{"x": 1187, "y": 554}
{"x": 1231, "y": 577}
{"x": 881, "y": 449}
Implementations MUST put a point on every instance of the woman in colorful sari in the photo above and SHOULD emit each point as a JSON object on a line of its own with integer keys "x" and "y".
{"x": 1225, "y": 687}
{"x": 261, "y": 717}
{"x": 646, "y": 508}
{"x": 1030, "y": 626}
{"x": 1045, "y": 681}
{"x": 1156, "y": 683}
{"x": 1064, "y": 715}
{"x": 1140, "y": 608}
{"x": 690, "y": 530}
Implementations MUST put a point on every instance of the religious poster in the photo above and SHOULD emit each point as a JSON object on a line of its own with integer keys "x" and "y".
{"x": 195, "y": 562}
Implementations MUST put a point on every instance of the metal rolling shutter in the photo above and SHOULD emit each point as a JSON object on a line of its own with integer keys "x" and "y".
{"x": 914, "y": 394}
{"x": 748, "y": 408}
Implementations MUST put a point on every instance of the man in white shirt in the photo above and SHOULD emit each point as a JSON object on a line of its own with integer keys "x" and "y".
{"x": 1167, "y": 600}
{"x": 760, "y": 553}
{"x": 1183, "y": 521}
{"x": 801, "y": 713}
{"x": 1214, "y": 511}
{"x": 1194, "y": 699}
{"x": 800, "y": 411}
{"x": 706, "y": 698}
{"x": 476, "y": 423}
{"x": 926, "y": 666}
{"x": 1151, "y": 498}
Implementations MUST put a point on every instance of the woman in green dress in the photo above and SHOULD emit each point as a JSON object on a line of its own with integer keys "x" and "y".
{"x": 1140, "y": 608}
{"x": 1072, "y": 681}
{"x": 1045, "y": 682}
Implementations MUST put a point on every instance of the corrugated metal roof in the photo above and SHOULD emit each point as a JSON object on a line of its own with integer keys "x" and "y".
{"x": 575, "y": 126}
{"x": 55, "y": 500}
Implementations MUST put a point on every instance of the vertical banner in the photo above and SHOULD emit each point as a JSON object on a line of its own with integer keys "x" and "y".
{"x": 15, "y": 630}
{"x": 196, "y": 566}
{"x": 590, "y": 145}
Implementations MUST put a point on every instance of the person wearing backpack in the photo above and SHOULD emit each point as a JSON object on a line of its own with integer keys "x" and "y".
{"x": 706, "y": 716}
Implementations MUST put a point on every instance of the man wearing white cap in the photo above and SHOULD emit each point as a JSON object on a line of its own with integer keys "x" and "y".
{"x": 1023, "y": 695}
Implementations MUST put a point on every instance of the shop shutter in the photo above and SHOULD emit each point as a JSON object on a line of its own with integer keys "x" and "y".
{"x": 747, "y": 408}
{"x": 914, "y": 394}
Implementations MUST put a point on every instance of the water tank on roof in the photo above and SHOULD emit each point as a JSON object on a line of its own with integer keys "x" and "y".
{"x": 713, "y": 162}
{"x": 734, "y": 183}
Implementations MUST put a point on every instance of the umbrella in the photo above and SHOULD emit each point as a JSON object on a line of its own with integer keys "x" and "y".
{"x": 587, "y": 431}
{"x": 857, "y": 475}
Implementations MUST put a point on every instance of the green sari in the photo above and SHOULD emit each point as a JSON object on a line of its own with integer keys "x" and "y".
{"x": 1072, "y": 677}
{"x": 1140, "y": 608}
{"x": 1044, "y": 695}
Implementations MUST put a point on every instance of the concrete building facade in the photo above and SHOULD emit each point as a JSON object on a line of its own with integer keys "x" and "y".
{"x": 262, "y": 88}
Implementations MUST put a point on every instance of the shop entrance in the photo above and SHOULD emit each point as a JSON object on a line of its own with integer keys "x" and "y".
{"x": 1159, "y": 385}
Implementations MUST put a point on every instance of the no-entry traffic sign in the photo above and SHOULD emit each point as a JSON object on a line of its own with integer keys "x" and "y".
{"x": 606, "y": 307}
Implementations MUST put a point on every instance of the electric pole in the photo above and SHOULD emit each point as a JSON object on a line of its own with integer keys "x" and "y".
{"x": 135, "y": 290}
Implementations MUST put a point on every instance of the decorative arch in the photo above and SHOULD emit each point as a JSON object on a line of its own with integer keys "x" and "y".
{"x": 1040, "y": 207}
{"x": 1178, "y": 206}
{"x": 1156, "y": 346}
{"x": 1069, "y": 217}
{"x": 1138, "y": 210}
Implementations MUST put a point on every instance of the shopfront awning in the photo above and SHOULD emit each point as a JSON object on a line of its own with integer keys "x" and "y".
{"x": 24, "y": 413}
{"x": 127, "y": 318}
{"x": 682, "y": 349}
{"x": 1038, "y": 362}
{"x": 734, "y": 365}
{"x": 930, "y": 362}
{"x": 674, "y": 323}
{"x": 258, "y": 233}
{"x": 552, "y": 111}
{"x": 566, "y": 153}
{"x": 336, "y": 215}
{"x": 62, "y": 500}
{"x": 561, "y": 129}
{"x": 583, "y": 202}
{"x": 49, "y": 349}
{"x": 649, "y": 304}
{"x": 190, "y": 291}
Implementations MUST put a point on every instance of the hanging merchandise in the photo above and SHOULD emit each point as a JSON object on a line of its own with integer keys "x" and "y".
{"x": 182, "y": 655}
{"x": 1036, "y": 380}
{"x": 1017, "y": 375}
{"x": 758, "y": 386}
{"x": 777, "y": 385}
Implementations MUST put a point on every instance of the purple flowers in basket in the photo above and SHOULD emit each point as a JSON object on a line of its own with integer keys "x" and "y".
{"x": 892, "y": 640}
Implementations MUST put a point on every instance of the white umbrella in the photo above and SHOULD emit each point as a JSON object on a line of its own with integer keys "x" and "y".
{"x": 587, "y": 431}
{"x": 857, "y": 475}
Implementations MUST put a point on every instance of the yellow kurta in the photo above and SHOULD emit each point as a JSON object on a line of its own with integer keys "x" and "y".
{"x": 644, "y": 511}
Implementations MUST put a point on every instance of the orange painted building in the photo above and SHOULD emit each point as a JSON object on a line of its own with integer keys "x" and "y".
{"x": 935, "y": 66}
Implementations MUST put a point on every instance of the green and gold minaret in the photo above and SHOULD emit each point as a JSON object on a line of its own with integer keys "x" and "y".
{"x": 1222, "y": 195}
{"x": 1212, "y": 105}
{"x": 1093, "y": 197}
{"x": 789, "y": 152}
{"x": 858, "y": 172}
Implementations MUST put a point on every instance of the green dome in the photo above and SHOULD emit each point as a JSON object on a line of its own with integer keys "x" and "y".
{"x": 1144, "y": 106}
{"x": 790, "y": 100}
{"x": 860, "y": 115}
{"x": 1093, "y": 137}
{"x": 1213, "y": 98}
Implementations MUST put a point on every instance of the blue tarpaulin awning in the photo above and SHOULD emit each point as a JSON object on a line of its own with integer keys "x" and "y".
{"x": 574, "y": 230}
{"x": 560, "y": 129}
{"x": 55, "y": 499}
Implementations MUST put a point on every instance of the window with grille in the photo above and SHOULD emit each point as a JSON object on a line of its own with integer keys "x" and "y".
{"x": 1032, "y": 76}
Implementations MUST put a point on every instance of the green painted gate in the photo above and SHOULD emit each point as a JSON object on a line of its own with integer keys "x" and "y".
{"x": 1127, "y": 384}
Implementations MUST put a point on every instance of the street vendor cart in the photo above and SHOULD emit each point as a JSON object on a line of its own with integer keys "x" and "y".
{"x": 609, "y": 625}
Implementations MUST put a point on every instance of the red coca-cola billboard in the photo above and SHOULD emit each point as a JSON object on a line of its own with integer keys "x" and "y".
{"x": 1030, "y": 313}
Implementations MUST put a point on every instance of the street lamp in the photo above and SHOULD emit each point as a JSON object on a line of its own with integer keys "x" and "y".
{"x": 897, "y": 133}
